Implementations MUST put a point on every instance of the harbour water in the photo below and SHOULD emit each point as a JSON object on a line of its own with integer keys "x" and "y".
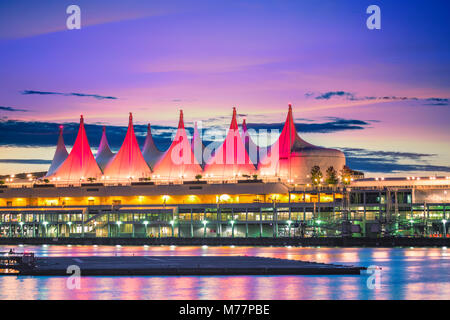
{"x": 407, "y": 273}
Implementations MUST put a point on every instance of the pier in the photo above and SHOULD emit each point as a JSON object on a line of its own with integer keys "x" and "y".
{"x": 177, "y": 266}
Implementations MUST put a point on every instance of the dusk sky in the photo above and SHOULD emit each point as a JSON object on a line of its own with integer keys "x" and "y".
{"x": 381, "y": 96}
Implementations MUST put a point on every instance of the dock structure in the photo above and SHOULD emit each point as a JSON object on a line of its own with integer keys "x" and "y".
{"x": 16, "y": 261}
{"x": 182, "y": 265}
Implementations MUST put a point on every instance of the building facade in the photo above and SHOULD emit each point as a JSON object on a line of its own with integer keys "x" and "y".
{"x": 241, "y": 209}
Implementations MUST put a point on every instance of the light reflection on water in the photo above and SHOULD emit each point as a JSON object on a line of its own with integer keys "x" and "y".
{"x": 407, "y": 273}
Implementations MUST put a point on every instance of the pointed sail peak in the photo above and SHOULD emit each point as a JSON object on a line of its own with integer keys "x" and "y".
{"x": 104, "y": 153}
{"x": 60, "y": 153}
{"x": 234, "y": 125}
{"x": 150, "y": 152}
{"x": 181, "y": 122}
{"x": 290, "y": 116}
{"x": 103, "y": 140}
{"x": 244, "y": 126}
{"x": 290, "y": 122}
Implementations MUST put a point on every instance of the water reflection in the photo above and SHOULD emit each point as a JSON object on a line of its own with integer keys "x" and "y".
{"x": 407, "y": 273}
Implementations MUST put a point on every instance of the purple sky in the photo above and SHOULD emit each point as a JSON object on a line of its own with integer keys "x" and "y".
{"x": 156, "y": 57}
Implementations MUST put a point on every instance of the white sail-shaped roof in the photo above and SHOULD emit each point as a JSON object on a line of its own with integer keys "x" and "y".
{"x": 104, "y": 153}
{"x": 80, "y": 163}
{"x": 179, "y": 160}
{"x": 60, "y": 154}
{"x": 150, "y": 152}
{"x": 252, "y": 148}
{"x": 197, "y": 145}
{"x": 128, "y": 163}
{"x": 231, "y": 158}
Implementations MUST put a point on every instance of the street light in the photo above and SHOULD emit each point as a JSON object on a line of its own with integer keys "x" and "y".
{"x": 118, "y": 225}
{"x": 45, "y": 223}
{"x": 145, "y": 224}
{"x": 69, "y": 224}
{"x": 172, "y": 224}
{"x": 21, "y": 228}
{"x": 204, "y": 228}
{"x": 289, "y": 222}
{"x": 232, "y": 228}
{"x": 445, "y": 229}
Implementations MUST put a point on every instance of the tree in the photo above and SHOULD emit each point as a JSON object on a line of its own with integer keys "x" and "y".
{"x": 316, "y": 175}
{"x": 255, "y": 177}
{"x": 2, "y": 182}
{"x": 198, "y": 177}
{"x": 46, "y": 181}
{"x": 331, "y": 177}
{"x": 90, "y": 179}
{"x": 346, "y": 175}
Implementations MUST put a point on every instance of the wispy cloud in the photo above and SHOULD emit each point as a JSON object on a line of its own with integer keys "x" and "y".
{"x": 395, "y": 155}
{"x": 11, "y": 109}
{"x": 74, "y": 94}
{"x": 390, "y": 161}
{"x": 334, "y": 125}
{"x": 353, "y": 97}
{"x": 330, "y": 94}
{"x": 437, "y": 101}
{"x": 26, "y": 161}
{"x": 45, "y": 134}
{"x": 30, "y": 133}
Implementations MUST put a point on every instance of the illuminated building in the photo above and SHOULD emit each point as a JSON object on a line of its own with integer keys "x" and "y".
{"x": 154, "y": 194}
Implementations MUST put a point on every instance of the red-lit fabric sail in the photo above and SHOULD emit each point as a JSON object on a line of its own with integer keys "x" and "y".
{"x": 292, "y": 158}
{"x": 231, "y": 158}
{"x": 104, "y": 153}
{"x": 277, "y": 160}
{"x": 128, "y": 163}
{"x": 80, "y": 163}
{"x": 60, "y": 154}
{"x": 150, "y": 152}
{"x": 179, "y": 160}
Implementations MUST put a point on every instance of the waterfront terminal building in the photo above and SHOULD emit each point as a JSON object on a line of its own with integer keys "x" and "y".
{"x": 189, "y": 191}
